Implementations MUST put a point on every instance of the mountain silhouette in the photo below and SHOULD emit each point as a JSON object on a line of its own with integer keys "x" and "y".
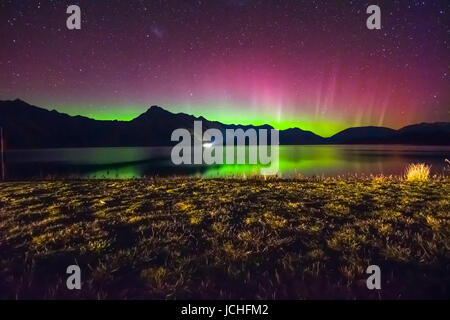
{"x": 424, "y": 133}
{"x": 295, "y": 136}
{"x": 359, "y": 135}
{"x": 27, "y": 126}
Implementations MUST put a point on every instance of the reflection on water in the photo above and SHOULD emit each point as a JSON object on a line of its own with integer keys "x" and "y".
{"x": 122, "y": 163}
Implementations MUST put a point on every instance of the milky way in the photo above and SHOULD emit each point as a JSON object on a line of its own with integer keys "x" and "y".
{"x": 311, "y": 64}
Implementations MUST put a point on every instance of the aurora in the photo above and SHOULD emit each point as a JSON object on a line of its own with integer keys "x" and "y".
{"x": 308, "y": 64}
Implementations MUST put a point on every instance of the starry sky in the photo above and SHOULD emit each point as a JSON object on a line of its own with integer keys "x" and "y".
{"x": 306, "y": 63}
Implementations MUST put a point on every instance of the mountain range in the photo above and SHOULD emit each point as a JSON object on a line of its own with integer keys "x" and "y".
{"x": 27, "y": 126}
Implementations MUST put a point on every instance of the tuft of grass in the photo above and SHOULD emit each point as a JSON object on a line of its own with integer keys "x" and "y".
{"x": 417, "y": 172}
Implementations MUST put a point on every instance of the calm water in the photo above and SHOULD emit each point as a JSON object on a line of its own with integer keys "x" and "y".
{"x": 115, "y": 163}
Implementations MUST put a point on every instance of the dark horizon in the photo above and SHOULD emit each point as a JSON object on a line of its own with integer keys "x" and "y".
{"x": 154, "y": 127}
{"x": 166, "y": 109}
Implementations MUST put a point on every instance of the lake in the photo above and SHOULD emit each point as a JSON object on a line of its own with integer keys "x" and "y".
{"x": 137, "y": 162}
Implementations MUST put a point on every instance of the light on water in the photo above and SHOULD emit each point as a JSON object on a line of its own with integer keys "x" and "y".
{"x": 125, "y": 163}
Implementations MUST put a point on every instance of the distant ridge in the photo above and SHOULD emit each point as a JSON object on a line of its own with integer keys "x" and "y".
{"x": 27, "y": 126}
{"x": 369, "y": 134}
{"x": 437, "y": 133}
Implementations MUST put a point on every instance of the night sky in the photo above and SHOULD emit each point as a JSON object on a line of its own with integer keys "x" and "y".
{"x": 310, "y": 64}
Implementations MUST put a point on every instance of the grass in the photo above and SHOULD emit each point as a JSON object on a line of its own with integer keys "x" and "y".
{"x": 178, "y": 238}
{"x": 418, "y": 172}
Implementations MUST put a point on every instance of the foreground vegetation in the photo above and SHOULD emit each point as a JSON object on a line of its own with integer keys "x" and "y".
{"x": 183, "y": 238}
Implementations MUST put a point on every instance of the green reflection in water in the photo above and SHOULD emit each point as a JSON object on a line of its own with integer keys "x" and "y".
{"x": 292, "y": 160}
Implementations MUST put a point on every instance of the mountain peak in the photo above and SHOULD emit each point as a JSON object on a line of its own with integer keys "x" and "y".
{"x": 155, "y": 108}
{"x": 19, "y": 101}
{"x": 154, "y": 112}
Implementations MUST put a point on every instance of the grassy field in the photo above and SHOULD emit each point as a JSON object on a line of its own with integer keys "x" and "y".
{"x": 180, "y": 238}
